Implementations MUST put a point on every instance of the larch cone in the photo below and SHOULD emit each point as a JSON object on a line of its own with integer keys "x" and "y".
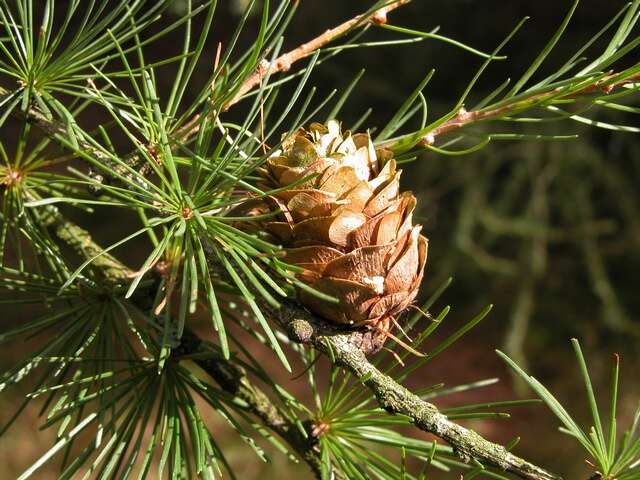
{"x": 347, "y": 224}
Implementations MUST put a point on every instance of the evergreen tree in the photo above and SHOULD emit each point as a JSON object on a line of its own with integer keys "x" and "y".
{"x": 257, "y": 226}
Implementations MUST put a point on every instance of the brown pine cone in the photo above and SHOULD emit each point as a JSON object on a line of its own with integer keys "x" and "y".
{"x": 347, "y": 224}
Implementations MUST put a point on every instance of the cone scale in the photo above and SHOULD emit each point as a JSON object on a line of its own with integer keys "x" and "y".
{"x": 346, "y": 223}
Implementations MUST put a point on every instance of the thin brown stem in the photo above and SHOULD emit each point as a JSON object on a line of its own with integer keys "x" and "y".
{"x": 283, "y": 62}
{"x": 465, "y": 118}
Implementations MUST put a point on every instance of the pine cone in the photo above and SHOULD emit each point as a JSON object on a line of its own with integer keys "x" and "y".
{"x": 347, "y": 224}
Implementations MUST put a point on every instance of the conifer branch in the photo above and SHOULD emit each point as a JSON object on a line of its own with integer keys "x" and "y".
{"x": 234, "y": 380}
{"x": 108, "y": 266}
{"x": 465, "y": 118}
{"x": 283, "y": 62}
{"x": 230, "y": 377}
{"x": 57, "y": 131}
{"x": 303, "y": 327}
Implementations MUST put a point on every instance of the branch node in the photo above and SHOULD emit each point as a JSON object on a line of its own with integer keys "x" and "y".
{"x": 380, "y": 17}
{"x": 463, "y": 115}
{"x": 427, "y": 140}
{"x": 263, "y": 67}
{"x": 300, "y": 331}
{"x": 283, "y": 64}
